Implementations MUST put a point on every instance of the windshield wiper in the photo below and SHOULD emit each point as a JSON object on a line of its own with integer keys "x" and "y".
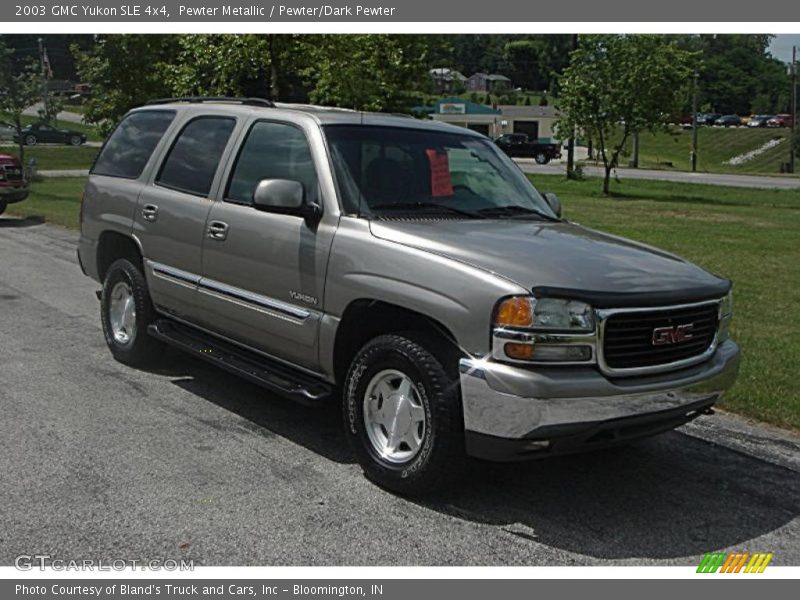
{"x": 514, "y": 211}
{"x": 411, "y": 206}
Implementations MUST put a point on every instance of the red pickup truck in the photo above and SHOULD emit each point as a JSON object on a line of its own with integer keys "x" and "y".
{"x": 13, "y": 184}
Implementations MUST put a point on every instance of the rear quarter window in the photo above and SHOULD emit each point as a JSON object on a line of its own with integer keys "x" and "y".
{"x": 195, "y": 155}
{"x": 130, "y": 146}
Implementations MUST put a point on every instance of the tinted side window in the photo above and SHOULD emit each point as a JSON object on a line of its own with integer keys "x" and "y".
{"x": 272, "y": 151}
{"x": 194, "y": 157}
{"x": 129, "y": 148}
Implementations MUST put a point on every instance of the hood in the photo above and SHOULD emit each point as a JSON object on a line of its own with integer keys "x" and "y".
{"x": 561, "y": 260}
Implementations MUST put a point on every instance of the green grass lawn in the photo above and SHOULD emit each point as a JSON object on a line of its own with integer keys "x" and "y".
{"x": 55, "y": 200}
{"x": 75, "y": 108}
{"x": 90, "y": 130}
{"x": 57, "y": 157}
{"x": 750, "y": 236}
{"x": 716, "y": 145}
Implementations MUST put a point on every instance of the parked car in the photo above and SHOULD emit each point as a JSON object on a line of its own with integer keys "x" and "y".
{"x": 42, "y": 133}
{"x": 519, "y": 145}
{"x": 780, "y": 121}
{"x": 13, "y": 184}
{"x": 707, "y": 118}
{"x": 7, "y": 131}
{"x": 408, "y": 269}
{"x": 728, "y": 121}
{"x": 759, "y": 121}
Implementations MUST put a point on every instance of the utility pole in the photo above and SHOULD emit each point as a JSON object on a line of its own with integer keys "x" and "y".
{"x": 792, "y": 149}
{"x": 44, "y": 76}
{"x": 571, "y": 141}
{"x": 634, "y": 164}
{"x": 694, "y": 124}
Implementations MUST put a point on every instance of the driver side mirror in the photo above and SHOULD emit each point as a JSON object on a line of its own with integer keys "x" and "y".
{"x": 553, "y": 202}
{"x": 284, "y": 196}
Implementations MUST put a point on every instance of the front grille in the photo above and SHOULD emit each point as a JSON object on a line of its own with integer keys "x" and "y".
{"x": 12, "y": 173}
{"x": 628, "y": 336}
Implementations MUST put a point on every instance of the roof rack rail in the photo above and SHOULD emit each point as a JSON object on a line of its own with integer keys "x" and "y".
{"x": 200, "y": 99}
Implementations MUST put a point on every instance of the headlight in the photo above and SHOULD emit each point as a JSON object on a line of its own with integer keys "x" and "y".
{"x": 549, "y": 314}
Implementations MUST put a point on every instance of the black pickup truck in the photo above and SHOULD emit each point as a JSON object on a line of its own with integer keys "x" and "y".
{"x": 519, "y": 145}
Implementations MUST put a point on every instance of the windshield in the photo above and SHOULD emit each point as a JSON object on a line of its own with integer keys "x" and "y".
{"x": 389, "y": 170}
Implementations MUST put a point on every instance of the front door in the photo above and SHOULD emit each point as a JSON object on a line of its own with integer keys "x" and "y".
{"x": 171, "y": 215}
{"x": 264, "y": 273}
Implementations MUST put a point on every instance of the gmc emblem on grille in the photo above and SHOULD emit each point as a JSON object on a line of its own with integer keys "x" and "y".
{"x": 672, "y": 335}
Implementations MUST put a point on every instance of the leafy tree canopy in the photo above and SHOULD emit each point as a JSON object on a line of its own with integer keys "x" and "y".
{"x": 622, "y": 83}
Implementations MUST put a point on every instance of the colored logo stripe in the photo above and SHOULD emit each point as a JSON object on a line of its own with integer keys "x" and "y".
{"x": 734, "y": 562}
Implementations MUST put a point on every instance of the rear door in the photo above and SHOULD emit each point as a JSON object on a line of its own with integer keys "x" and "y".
{"x": 264, "y": 273}
{"x": 171, "y": 215}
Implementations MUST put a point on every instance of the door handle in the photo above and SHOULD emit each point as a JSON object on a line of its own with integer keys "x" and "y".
{"x": 150, "y": 212}
{"x": 217, "y": 230}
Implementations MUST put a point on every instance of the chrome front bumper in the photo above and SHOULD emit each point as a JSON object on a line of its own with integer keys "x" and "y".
{"x": 512, "y": 412}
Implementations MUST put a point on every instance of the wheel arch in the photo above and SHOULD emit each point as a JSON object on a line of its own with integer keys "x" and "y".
{"x": 113, "y": 245}
{"x": 366, "y": 318}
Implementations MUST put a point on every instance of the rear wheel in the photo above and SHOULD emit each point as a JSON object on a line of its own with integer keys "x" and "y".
{"x": 3, "y": 206}
{"x": 542, "y": 158}
{"x": 75, "y": 140}
{"x": 403, "y": 416}
{"x": 30, "y": 140}
{"x": 126, "y": 312}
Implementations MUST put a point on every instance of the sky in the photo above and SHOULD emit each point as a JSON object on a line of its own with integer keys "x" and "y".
{"x": 781, "y": 46}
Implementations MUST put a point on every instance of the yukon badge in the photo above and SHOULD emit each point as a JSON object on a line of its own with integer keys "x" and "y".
{"x": 300, "y": 297}
{"x": 672, "y": 335}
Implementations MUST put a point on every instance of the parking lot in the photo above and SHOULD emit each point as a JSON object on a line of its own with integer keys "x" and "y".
{"x": 102, "y": 461}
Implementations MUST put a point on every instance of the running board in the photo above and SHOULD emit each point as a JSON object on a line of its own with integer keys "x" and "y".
{"x": 271, "y": 375}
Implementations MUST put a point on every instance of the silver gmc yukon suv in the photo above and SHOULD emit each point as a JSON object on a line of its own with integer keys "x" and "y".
{"x": 407, "y": 267}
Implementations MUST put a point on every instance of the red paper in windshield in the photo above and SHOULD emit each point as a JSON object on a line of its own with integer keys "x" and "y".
{"x": 441, "y": 185}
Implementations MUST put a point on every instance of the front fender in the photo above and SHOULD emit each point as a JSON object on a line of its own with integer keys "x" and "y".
{"x": 459, "y": 296}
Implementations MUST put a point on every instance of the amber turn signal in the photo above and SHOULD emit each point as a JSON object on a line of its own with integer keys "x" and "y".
{"x": 515, "y": 312}
{"x": 519, "y": 351}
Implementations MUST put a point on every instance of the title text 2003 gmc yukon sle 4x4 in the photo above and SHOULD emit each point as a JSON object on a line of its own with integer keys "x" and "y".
{"x": 408, "y": 268}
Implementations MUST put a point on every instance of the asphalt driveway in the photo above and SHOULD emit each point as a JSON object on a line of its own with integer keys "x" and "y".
{"x": 102, "y": 461}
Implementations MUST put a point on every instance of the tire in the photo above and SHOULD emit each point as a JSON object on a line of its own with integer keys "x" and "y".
{"x": 135, "y": 348}
{"x": 541, "y": 158}
{"x": 439, "y": 457}
{"x": 30, "y": 140}
{"x": 3, "y": 206}
{"x": 75, "y": 140}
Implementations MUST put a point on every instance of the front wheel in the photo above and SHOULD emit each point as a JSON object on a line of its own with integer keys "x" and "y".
{"x": 403, "y": 416}
{"x": 3, "y": 206}
{"x": 541, "y": 158}
{"x": 126, "y": 312}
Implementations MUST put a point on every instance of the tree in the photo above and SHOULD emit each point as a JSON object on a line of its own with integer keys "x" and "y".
{"x": 125, "y": 71}
{"x": 739, "y": 75}
{"x": 239, "y": 65}
{"x": 20, "y": 86}
{"x": 219, "y": 65}
{"x": 50, "y": 109}
{"x": 619, "y": 85}
{"x": 534, "y": 62}
{"x": 366, "y": 72}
